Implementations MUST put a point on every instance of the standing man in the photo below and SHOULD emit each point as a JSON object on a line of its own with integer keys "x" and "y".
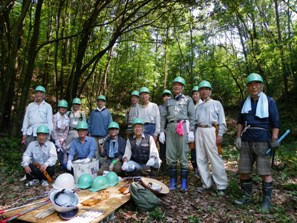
{"x": 75, "y": 116}
{"x": 166, "y": 94}
{"x": 178, "y": 111}
{"x": 39, "y": 157}
{"x": 60, "y": 132}
{"x": 149, "y": 113}
{"x": 206, "y": 140}
{"x": 257, "y": 130}
{"x": 197, "y": 101}
{"x": 132, "y": 112}
{"x": 37, "y": 113}
{"x": 99, "y": 121}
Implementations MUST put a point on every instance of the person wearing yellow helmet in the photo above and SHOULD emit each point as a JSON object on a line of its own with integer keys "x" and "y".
{"x": 60, "y": 132}
{"x": 37, "y": 113}
{"x": 39, "y": 156}
{"x": 75, "y": 115}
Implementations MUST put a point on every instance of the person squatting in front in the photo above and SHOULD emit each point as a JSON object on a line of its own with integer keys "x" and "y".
{"x": 82, "y": 148}
{"x": 208, "y": 114}
{"x": 179, "y": 113}
{"x": 113, "y": 150}
{"x": 257, "y": 130}
{"x": 141, "y": 153}
{"x": 39, "y": 156}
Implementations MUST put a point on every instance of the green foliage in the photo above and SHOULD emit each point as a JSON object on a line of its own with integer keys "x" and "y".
{"x": 194, "y": 219}
{"x": 157, "y": 214}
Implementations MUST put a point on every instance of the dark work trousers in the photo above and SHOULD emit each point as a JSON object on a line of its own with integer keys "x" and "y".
{"x": 37, "y": 174}
{"x": 163, "y": 156}
{"x": 193, "y": 158}
{"x": 63, "y": 158}
{"x": 149, "y": 129}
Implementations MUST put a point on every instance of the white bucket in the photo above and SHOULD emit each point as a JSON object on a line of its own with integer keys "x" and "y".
{"x": 80, "y": 168}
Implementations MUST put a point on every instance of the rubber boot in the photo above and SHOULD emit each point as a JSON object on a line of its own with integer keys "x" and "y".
{"x": 184, "y": 179}
{"x": 173, "y": 178}
{"x": 267, "y": 193}
{"x": 247, "y": 187}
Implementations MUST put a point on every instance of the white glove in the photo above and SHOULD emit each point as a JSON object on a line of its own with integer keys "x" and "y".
{"x": 188, "y": 125}
{"x": 162, "y": 138}
{"x": 69, "y": 165}
{"x": 151, "y": 161}
{"x": 87, "y": 160}
{"x": 191, "y": 137}
{"x": 238, "y": 143}
{"x": 125, "y": 166}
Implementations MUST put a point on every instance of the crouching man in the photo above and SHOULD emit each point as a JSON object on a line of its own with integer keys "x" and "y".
{"x": 141, "y": 153}
{"x": 39, "y": 158}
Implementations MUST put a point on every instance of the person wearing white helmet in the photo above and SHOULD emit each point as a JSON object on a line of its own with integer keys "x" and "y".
{"x": 75, "y": 116}
{"x": 39, "y": 156}
{"x": 60, "y": 132}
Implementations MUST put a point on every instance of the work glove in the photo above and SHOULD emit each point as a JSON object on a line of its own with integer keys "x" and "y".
{"x": 238, "y": 143}
{"x": 151, "y": 161}
{"x": 112, "y": 165}
{"x": 191, "y": 137}
{"x": 162, "y": 138}
{"x": 69, "y": 165}
{"x": 125, "y": 166}
{"x": 274, "y": 144}
{"x": 87, "y": 160}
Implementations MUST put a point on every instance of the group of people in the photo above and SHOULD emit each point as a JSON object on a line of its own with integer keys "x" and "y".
{"x": 182, "y": 123}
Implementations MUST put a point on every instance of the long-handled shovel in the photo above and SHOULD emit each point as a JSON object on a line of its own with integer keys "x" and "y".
{"x": 25, "y": 205}
{"x": 24, "y": 212}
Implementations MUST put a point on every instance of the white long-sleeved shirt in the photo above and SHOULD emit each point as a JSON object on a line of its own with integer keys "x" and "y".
{"x": 153, "y": 149}
{"x": 150, "y": 114}
{"x": 45, "y": 154}
{"x": 35, "y": 116}
{"x": 211, "y": 111}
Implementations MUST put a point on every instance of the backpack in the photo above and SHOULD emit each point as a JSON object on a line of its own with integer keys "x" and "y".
{"x": 143, "y": 198}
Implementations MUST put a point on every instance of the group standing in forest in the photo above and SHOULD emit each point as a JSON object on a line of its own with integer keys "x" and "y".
{"x": 157, "y": 137}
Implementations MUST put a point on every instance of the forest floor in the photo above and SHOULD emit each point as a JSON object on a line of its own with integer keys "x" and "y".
{"x": 192, "y": 206}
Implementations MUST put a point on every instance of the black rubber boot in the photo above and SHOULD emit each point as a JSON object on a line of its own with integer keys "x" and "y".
{"x": 247, "y": 187}
{"x": 184, "y": 180}
{"x": 267, "y": 193}
{"x": 173, "y": 178}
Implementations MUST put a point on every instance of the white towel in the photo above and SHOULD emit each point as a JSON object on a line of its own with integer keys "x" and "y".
{"x": 262, "y": 106}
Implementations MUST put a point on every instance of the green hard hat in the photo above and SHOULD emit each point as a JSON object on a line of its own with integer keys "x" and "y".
{"x": 99, "y": 183}
{"x": 144, "y": 90}
{"x": 76, "y": 101}
{"x": 101, "y": 97}
{"x": 42, "y": 129}
{"x": 40, "y": 88}
{"x": 195, "y": 88}
{"x": 204, "y": 84}
{"x": 113, "y": 125}
{"x": 137, "y": 121}
{"x": 112, "y": 179}
{"x": 179, "y": 80}
{"x": 254, "y": 77}
{"x": 166, "y": 92}
{"x": 62, "y": 104}
{"x": 85, "y": 181}
{"x": 82, "y": 125}
{"x": 135, "y": 93}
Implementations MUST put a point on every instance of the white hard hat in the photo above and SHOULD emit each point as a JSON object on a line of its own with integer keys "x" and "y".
{"x": 64, "y": 181}
{"x": 64, "y": 200}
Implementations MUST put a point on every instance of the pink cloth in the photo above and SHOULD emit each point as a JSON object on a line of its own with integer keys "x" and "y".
{"x": 180, "y": 128}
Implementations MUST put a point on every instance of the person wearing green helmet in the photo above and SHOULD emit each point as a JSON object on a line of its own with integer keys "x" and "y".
{"x": 112, "y": 151}
{"x": 60, "y": 132}
{"x": 179, "y": 119}
{"x": 141, "y": 153}
{"x": 257, "y": 130}
{"x": 83, "y": 148}
{"x": 166, "y": 94}
{"x": 39, "y": 156}
{"x": 132, "y": 112}
{"x": 197, "y": 101}
{"x": 75, "y": 115}
{"x": 37, "y": 113}
{"x": 210, "y": 114}
{"x": 149, "y": 113}
{"x": 98, "y": 122}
